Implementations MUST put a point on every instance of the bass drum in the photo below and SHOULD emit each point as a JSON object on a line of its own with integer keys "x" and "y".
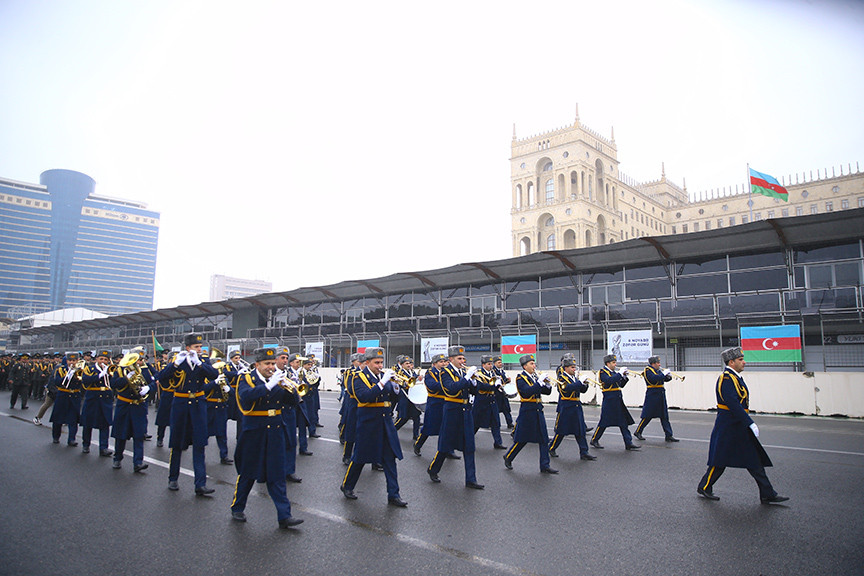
{"x": 418, "y": 394}
{"x": 510, "y": 389}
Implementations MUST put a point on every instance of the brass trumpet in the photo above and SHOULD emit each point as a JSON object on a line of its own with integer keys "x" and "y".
{"x": 678, "y": 376}
{"x": 301, "y": 390}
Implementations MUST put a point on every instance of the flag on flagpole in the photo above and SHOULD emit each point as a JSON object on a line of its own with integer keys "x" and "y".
{"x": 771, "y": 343}
{"x": 512, "y": 347}
{"x": 156, "y": 346}
{"x": 767, "y": 185}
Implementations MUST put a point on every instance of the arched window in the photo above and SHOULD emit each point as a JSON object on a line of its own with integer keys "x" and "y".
{"x": 531, "y": 199}
{"x": 547, "y": 167}
{"x": 569, "y": 239}
{"x": 518, "y": 196}
{"x": 550, "y": 221}
{"x": 550, "y": 190}
{"x": 524, "y": 246}
{"x": 550, "y": 242}
{"x": 587, "y": 238}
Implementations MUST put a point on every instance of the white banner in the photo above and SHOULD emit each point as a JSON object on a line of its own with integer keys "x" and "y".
{"x": 630, "y": 345}
{"x": 429, "y": 347}
{"x": 316, "y": 348}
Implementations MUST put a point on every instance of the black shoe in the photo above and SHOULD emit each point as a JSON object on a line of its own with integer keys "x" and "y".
{"x": 416, "y": 450}
{"x": 204, "y": 491}
{"x": 433, "y": 476}
{"x": 115, "y": 465}
{"x": 172, "y": 485}
{"x": 553, "y": 454}
{"x": 148, "y": 436}
{"x": 588, "y": 429}
{"x": 141, "y": 467}
{"x": 510, "y": 426}
{"x": 314, "y": 435}
{"x": 319, "y": 425}
{"x": 226, "y": 461}
{"x": 289, "y": 522}
{"x": 587, "y": 457}
{"x": 346, "y": 461}
{"x": 158, "y": 443}
{"x": 378, "y": 467}
{"x": 639, "y": 436}
{"x": 548, "y": 471}
{"x": 55, "y": 440}
{"x": 474, "y": 485}
{"x": 293, "y": 478}
{"x": 349, "y": 494}
{"x": 671, "y": 439}
{"x": 305, "y": 453}
{"x": 776, "y": 499}
{"x": 632, "y": 447}
{"x": 507, "y": 463}
{"x": 73, "y": 444}
{"x": 84, "y": 450}
{"x": 499, "y": 447}
{"x": 106, "y": 453}
{"x": 453, "y": 456}
{"x": 596, "y": 445}
{"x": 238, "y": 516}
{"x": 397, "y": 501}
{"x": 23, "y": 407}
{"x": 707, "y": 494}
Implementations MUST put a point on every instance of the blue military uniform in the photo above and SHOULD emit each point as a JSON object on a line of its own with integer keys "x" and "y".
{"x": 348, "y": 427}
{"x": 406, "y": 410}
{"x": 457, "y": 423}
{"x": 232, "y": 374}
{"x": 655, "y": 402}
{"x": 502, "y": 398}
{"x": 613, "y": 412}
{"x": 570, "y": 418}
{"x": 217, "y": 418}
{"x": 67, "y": 404}
{"x": 377, "y": 439}
{"x": 530, "y": 423}
{"x": 130, "y": 420}
{"x": 434, "y": 408}
{"x": 96, "y": 407}
{"x": 166, "y": 401}
{"x": 485, "y": 409}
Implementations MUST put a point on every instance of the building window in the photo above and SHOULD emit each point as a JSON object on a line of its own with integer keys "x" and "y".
{"x": 829, "y": 206}
{"x": 813, "y": 209}
{"x": 725, "y": 207}
{"x": 674, "y": 230}
{"x": 547, "y": 167}
{"x": 861, "y": 202}
{"x": 757, "y": 216}
{"x": 695, "y": 227}
{"x": 835, "y": 189}
{"x": 799, "y": 210}
{"x": 707, "y": 224}
{"x": 785, "y": 212}
{"x": 745, "y": 219}
{"x": 550, "y": 190}
{"x": 719, "y": 223}
{"x": 804, "y": 194}
{"x": 484, "y": 304}
{"x": 550, "y": 221}
{"x": 770, "y": 213}
{"x": 844, "y": 204}
{"x": 568, "y": 211}
{"x": 550, "y": 242}
{"x": 731, "y": 221}
{"x": 522, "y": 220}
{"x": 684, "y": 228}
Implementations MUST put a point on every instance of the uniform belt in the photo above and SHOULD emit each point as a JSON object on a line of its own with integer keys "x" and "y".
{"x": 437, "y": 396}
{"x": 129, "y": 400}
{"x": 216, "y": 400}
{"x": 276, "y": 412}
{"x": 655, "y": 386}
{"x": 100, "y": 389}
{"x": 724, "y": 407}
{"x": 373, "y": 404}
{"x": 570, "y": 399}
{"x": 489, "y": 393}
{"x": 610, "y": 389}
{"x": 188, "y": 394}
{"x": 456, "y": 400}
{"x": 67, "y": 390}
{"x": 529, "y": 400}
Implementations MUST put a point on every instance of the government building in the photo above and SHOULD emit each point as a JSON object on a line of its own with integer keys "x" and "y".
{"x": 568, "y": 192}
{"x": 64, "y": 246}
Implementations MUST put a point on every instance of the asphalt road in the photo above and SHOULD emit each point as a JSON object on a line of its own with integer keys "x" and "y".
{"x": 64, "y": 512}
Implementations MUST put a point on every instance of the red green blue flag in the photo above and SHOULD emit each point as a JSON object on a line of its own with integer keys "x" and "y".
{"x": 771, "y": 343}
{"x": 768, "y": 185}
{"x": 363, "y": 344}
{"x": 512, "y": 347}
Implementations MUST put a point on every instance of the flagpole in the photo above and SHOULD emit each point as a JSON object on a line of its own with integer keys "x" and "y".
{"x": 750, "y": 188}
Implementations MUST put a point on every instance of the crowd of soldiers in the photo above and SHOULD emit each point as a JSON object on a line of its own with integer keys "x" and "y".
{"x": 275, "y": 402}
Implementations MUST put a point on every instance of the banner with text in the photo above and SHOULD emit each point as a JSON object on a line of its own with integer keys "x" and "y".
{"x": 630, "y": 345}
{"x": 316, "y": 348}
{"x": 429, "y": 347}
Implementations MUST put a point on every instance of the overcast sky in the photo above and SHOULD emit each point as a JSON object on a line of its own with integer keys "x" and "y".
{"x": 306, "y": 143}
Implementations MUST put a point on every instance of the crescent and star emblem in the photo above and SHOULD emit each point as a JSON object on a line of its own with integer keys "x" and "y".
{"x": 518, "y": 349}
{"x": 769, "y": 344}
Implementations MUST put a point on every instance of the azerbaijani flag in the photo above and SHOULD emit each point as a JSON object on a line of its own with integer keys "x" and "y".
{"x": 363, "y": 344}
{"x": 771, "y": 343}
{"x": 512, "y": 347}
{"x": 768, "y": 185}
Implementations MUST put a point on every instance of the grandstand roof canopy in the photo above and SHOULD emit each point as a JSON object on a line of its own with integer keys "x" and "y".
{"x": 754, "y": 237}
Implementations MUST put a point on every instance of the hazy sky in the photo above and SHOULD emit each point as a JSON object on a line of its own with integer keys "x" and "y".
{"x": 309, "y": 143}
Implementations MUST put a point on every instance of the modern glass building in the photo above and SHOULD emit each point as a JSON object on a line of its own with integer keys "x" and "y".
{"x": 62, "y": 246}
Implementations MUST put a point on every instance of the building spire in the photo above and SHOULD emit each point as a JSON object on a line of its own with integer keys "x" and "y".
{"x": 514, "y": 131}
{"x": 613, "y": 133}
{"x": 663, "y": 170}
{"x": 577, "y": 114}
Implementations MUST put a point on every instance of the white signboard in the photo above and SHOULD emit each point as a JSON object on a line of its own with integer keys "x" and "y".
{"x": 630, "y": 346}
{"x": 316, "y": 348}
{"x": 429, "y": 347}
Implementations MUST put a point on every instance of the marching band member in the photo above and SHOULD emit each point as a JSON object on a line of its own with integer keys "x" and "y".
{"x": 348, "y": 427}
{"x": 735, "y": 437}
{"x": 434, "y": 404}
{"x": 289, "y": 419}
{"x": 310, "y": 376}
{"x": 406, "y": 409}
{"x": 302, "y": 409}
{"x": 485, "y": 409}
{"x": 66, "y": 381}
{"x": 500, "y": 396}
{"x": 570, "y": 419}
{"x": 530, "y": 424}
{"x": 377, "y": 439}
{"x": 457, "y": 423}
{"x": 188, "y": 376}
{"x": 655, "y": 399}
{"x": 232, "y": 373}
{"x": 19, "y": 381}
{"x": 613, "y": 412}
{"x": 217, "y": 414}
{"x": 98, "y": 402}
{"x": 166, "y": 399}
{"x": 130, "y": 413}
{"x": 261, "y": 449}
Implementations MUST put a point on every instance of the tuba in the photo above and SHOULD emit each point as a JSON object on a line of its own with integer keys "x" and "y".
{"x": 129, "y": 363}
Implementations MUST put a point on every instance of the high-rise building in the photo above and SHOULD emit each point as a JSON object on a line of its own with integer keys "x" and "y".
{"x": 63, "y": 246}
{"x": 226, "y": 287}
{"x": 568, "y": 192}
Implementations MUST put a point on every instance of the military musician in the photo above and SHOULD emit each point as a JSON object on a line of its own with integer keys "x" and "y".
{"x": 66, "y": 382}
{"x": 655, "y": 399}
{"x": 406, "y": 410}
{"x": 348, "y": 421}
{"x": 377, "y": 439}
{"x": 485, "y": 410}
{"x": 500, "y": 396}
{"x": 531, "y": 424}
{"x": 130, "y": 411}
{"x": 217, "y": 413}
{"x": 570, "y": 418}
{"x": 96, "y": 408}
{"x": 434, "y": 403}
{"x": 304, "y": 424}
{"x": 309, "y": 376}
{"x": 735, "y": 437}
{"x": 289, "y": 417}
{"x": 232, "y": 372}
{"x": 613, "y": 412}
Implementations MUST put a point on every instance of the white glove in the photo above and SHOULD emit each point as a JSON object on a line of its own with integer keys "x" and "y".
{"x": 471, "y": 372}
{"x": 220, "y": 379}
{"x": 545, "y": 378}
{"x": 103, "y": 371}
{"x": 193, "y": 359}
{"x": 497, "y": 381}
{"x": 179, "y": 358}
{"x": 225, "y": 388}
{"x": 625, "y": 372}
{"x": 144, "y": 391}
{"x": 666, "y": 372}
{"x": 273, "y": 381}
{"x": 755, "y": 429}
{"x": 388, "y": 374}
